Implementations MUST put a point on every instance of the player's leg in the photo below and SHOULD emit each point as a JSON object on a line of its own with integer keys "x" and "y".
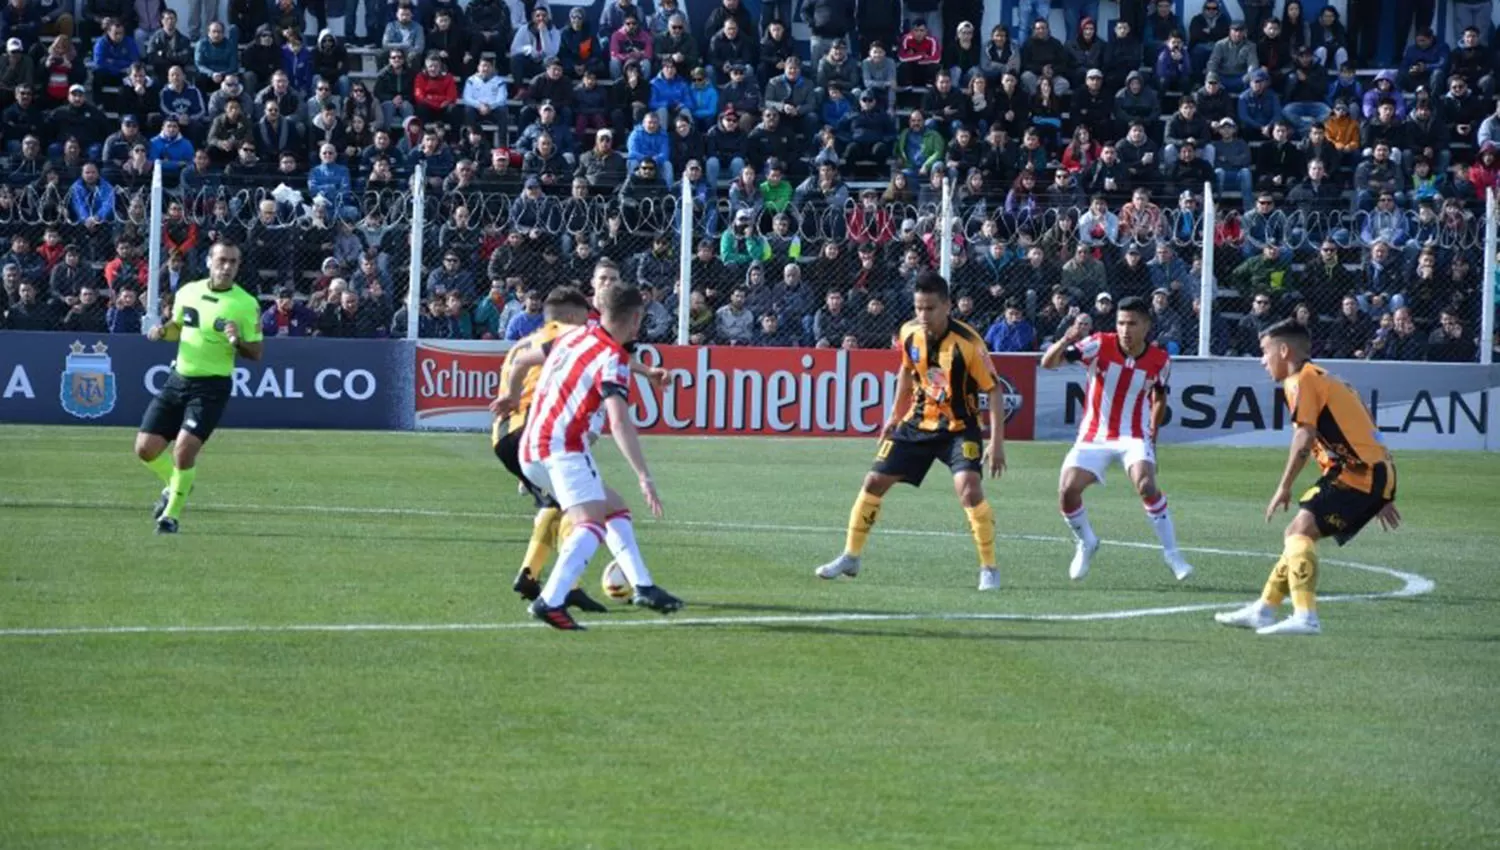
{"x": 862, "y": 517}
{"x": 1142, "y": 471}
{"x": 619, "y": 535}
{"x": 968, "y": 483}
{"x": 159, "y": 425}
{"x": 544, "y": 526}
{"x": 1295, "y": 575}
{"x": 1082, "y": 468}
{"x": 204, "y": 403}
{"x": 573, "y": 554}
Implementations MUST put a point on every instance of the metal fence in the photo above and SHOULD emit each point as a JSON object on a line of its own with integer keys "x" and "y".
{"x": 817, "y": 266}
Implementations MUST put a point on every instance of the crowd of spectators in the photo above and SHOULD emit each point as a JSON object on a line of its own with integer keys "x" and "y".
{"x": 1348, "y": 197}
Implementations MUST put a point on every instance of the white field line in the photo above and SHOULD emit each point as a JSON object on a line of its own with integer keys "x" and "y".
{"x": 1412, "y": 584}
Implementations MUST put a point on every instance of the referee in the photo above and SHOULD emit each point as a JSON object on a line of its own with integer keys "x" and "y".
{"x": 213, "y": 321}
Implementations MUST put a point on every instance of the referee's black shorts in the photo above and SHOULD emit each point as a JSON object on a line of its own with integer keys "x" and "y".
{"x": 508, "y": 450}
{"x": 909, "y": 453}
{"x": 194, "y": 405}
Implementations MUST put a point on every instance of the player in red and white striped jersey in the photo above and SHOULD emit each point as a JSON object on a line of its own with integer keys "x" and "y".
{"x": 1125, "y": 401}
{"x": 584, "y": 379}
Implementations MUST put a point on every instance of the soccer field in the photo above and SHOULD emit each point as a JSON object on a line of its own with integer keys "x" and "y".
{"x": 329, "y": 656}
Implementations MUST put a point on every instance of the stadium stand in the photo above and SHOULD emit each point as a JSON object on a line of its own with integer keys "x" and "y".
{"x": 1347, "y": 196}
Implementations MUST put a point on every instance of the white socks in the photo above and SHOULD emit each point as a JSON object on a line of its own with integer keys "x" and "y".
{"x": 1078, "y": 521}
{"x": 1161, "y": 522}
{"x": 619, "y": 533}
{"x": 573, "y": 556}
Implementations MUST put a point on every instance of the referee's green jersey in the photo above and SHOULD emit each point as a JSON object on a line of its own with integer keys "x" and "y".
{"x": 204, "y": 350}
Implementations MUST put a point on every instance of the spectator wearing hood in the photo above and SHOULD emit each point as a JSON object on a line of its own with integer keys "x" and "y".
{"x": 1207, "y": 28}
{"x": 1086, "y": 49}
{"x": 1384, "y": 88}
{"x": 1136, "y": 102}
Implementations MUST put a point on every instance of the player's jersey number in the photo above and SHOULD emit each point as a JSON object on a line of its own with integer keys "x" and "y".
{"x": 883, "y": 450}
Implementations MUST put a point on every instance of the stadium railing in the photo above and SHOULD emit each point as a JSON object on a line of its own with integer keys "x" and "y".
{"x": 694, "y": 253}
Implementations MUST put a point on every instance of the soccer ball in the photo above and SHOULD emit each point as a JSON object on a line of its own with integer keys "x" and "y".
{"x": 614, "y": 582}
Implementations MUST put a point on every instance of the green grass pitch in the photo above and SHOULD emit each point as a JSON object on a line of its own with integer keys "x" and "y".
{"x": 796, "y": 727}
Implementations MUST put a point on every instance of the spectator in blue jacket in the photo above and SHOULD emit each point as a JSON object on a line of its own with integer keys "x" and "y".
{"x": 703, "y": 100}
{"x": 124, "y": 315}
{"x": 330, "y": 180}
{"x": 288, "y": 316}
{"x": 649, "y": 141}
{"x": 1425, "y": 63}
{"x": 215, "y": 57}
{"x": 21, "y": 19}
{"x": 171, "y": 148}
{"x": 1259, "y": 107}
{"x": 297, "y": 62}
{"x": 92, "y": 198}
{"x": 1011, "y": 332}
{"x": 113, "y": 56}
{"x": 669, "y": 92}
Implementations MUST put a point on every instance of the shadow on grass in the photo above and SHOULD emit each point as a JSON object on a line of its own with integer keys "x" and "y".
{"x": 762, "y": 608}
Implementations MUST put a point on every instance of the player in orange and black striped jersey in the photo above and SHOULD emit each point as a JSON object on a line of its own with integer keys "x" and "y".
{"x": 564, "y": 309}
{"x": 944, "y": 369}
{"x": 1358, "y": 481}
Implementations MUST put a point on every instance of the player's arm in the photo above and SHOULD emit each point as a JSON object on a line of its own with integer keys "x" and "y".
{"x": 656, "y": 376}
{"x": 995, "y": 451}
{"x": 168, "y": 331}
{"x": 902, "y": 403}
{"x": 524, "y": 362}
{"x": 629, "y": 441}
{"x": 1062, "y": 349}
{"x": 1158, "y": 409}
{"x": 1302, "y": 445}
{"x": 250, "y": 350}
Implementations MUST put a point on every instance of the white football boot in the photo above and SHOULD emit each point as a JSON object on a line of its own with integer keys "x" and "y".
{"x": 1257, "y": 615}
{"x": 989, "y": 578}
{"x": 1179, "y": 567}
{"x": 1082, "y": 555}
{"x": 1300, "y": 623}
{"x": 843, "y": 565}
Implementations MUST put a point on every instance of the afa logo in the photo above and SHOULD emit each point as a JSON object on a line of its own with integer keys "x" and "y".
{"x": 88, "y": 382}
{"x": 1014, "y": 401}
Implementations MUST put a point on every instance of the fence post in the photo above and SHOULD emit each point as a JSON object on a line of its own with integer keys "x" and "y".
{"x": 684, "y": 262}
{"x": 1487, "y": 314}
{"x": 1206, "y": 280}
{"x": 153, "y": 254}
{"x": 418, "y": 237}
{"x": 945, "y": 232}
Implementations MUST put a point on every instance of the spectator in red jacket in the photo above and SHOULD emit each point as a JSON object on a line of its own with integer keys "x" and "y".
{"x": 920, "y": 56}
{"x": 434, "y": 94}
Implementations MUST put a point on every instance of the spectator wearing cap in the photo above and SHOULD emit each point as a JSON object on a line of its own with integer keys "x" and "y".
{"x": 740, "y": 244}
{"x": 740, "y": 94}
{"x": 117, "y": 146}
{"x": 1122, "y": 54}
{"x": 16, "y": 70}
{"x": 1233, "y": 57}
{"x": 1259, "y": 107}
{"x": 548, "y": 123}
{"x": 1103, "y": 312}
{"x": 1215, "y": 103}
{"x": 602, "y": 166}
{"x": 1344, "y": 133}
{"x": 77, "y": 119}
{"x": 631, "y": 43}
{"x": 287, "y": 316}
{"x": 1136, "y": 102}
{"x": 1166, "y": 324}
{"x": 838, "y": 65}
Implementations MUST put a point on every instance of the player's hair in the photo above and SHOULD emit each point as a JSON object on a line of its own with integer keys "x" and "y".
{"x": 562, "y": 299}
{"x": 622, "y": 299}
{"x": 223, "y": 243}
{"x": 1290, "y": 332}
{"x": 1134, "y": 304}
{"x": 931, "y": 283}
{"x": 607, "y": 263}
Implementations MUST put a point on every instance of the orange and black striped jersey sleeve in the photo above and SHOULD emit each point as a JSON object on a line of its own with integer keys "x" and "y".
{"x": 542, "y": 337}
{"x": 949, "y": 372}
{"x": 1348, "y": 443}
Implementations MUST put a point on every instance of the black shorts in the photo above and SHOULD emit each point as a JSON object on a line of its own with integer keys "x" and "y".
{"x": 508, "y": 450}
{"x": 909, "y": 453}
{"x": 194, "y": 405}
{"x": 1340, "y": 510}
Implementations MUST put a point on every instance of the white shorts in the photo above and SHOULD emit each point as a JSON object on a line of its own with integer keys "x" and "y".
{"x": 571, "y": 478}
{"x": 1097, "y": 457}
